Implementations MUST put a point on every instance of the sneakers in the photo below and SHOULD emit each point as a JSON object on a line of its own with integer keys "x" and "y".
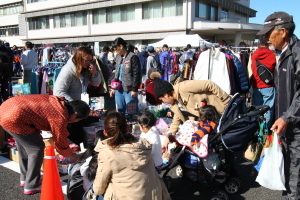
{"x": 22, "y": 183}
{"x": 32, "y": 191}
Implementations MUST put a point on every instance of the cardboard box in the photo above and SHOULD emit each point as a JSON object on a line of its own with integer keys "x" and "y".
{"x": 14, "y": 155}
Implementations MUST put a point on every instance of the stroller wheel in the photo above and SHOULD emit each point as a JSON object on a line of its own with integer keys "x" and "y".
{"x": 179, "y": 171}
{"x": 231, "y": 187}
{"x": 216, "y": 197}
{"x": 237, "y": 181}
{"x": 223, "y": 195}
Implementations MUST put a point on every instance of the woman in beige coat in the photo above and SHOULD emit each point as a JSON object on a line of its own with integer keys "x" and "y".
{"x": 125, "y": 167}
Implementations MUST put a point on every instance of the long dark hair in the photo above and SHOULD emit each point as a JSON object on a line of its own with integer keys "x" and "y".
{"x": 210, "y": 113}
{"x": 116, "y": 128}
{"x": 92, "y": 169}
{"x": 120, "y": 41}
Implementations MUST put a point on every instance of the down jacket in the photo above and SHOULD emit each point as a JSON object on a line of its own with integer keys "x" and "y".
{"x": 287, "y": 82}
{"x": 128, "y": 173}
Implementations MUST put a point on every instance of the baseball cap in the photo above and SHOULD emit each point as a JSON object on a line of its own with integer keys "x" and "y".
{"x": 277, "y": 18}
{"x": 150, "y": 48}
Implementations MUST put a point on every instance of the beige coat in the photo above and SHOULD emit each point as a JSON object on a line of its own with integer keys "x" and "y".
{"x": 191, "y": 94}
{"x": 128, "y": 173}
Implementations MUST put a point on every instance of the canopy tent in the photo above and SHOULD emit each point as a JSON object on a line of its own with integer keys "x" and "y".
{"x": 181, "y": 41}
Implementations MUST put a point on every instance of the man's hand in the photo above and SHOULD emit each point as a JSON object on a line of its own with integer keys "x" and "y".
{"x": 279, "y": 126}
{"x": 112, "y": 93}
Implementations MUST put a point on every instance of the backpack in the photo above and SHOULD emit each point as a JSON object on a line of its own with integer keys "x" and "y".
{"x": 75, "y": 183}
{"x": 264, "y": 73}
{"x": 157, "y": 69}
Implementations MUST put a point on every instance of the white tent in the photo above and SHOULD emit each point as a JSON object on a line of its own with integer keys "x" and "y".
{"x": 180, "y": 41}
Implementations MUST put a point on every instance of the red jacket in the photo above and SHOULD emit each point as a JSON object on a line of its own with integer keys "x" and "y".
{"x": 266, "y": 57}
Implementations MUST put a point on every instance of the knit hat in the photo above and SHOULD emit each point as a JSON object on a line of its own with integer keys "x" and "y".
{"x": 161, "y": 87}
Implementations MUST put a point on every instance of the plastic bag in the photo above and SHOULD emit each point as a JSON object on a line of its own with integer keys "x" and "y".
{"x": 271, "y": 173}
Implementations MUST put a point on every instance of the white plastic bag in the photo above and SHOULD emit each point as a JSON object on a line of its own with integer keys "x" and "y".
{"x": 271, "y": 173}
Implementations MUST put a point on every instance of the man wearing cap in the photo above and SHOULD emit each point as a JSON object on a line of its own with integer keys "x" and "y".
{"x": 152, "y": 60}
{"x": 278, "y": 30}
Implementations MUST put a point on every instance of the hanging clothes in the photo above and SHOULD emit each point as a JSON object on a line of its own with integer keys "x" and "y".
{"x": 212, "y": 66}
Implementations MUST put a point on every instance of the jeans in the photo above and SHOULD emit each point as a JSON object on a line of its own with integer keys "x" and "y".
{"x": 125, "y": 103}
{"x": 265, "y": 96}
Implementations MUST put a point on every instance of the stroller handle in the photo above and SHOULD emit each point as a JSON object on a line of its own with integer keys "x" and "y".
{"x": 258, "y": 110}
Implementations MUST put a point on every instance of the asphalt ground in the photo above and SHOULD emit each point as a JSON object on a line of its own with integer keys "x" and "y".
{"x": 183, "y": 189}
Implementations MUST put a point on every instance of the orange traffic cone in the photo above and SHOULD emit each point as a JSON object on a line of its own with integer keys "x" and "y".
{"x": 51, "y": 186}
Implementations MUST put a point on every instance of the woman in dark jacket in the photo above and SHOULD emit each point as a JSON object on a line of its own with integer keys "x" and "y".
{"x": 128, "y": 71}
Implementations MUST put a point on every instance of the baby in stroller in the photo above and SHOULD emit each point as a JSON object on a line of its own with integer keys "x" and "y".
{"x": 194, "y": 135}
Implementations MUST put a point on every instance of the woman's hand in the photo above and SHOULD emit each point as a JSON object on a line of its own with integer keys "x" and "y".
{"x": 133, "y": 94}
{"x": 112, "y": 93}
{"x": 92, "y": 69}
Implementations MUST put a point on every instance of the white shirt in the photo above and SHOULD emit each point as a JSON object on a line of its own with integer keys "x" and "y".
{"x": 153, "y": 137}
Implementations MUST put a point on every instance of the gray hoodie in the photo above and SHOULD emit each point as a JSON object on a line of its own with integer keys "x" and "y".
{"x": 69, "y": 86}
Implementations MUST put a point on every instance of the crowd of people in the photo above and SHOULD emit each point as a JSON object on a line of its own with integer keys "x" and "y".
{"x": 120, "y": 165}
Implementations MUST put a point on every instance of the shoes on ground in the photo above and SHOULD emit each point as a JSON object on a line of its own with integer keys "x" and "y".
{"x": 32, "y": 191}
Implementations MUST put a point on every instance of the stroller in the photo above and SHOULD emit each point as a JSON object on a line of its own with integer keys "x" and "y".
{"x": 236, "y": 128}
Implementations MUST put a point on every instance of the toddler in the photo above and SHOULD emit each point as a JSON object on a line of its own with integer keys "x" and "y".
{"x": 147, "y": 121}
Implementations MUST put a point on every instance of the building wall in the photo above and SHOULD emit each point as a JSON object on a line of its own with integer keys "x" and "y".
{"x": 244, "y": 2}
{"x": 3, "y": 2}
{"x": 48, "y": 4}
{"x": 7, "y": 20}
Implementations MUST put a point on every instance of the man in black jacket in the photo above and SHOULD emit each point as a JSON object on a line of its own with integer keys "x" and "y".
{"x": 278, "y": 30}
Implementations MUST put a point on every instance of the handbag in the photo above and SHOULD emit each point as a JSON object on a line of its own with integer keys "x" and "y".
{"x": 264, "y": 73}
{"x": 102, "y": 89}
{"x": 255, "y": 147}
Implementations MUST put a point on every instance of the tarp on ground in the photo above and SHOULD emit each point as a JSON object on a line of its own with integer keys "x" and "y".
{"x": 181, "y": 41}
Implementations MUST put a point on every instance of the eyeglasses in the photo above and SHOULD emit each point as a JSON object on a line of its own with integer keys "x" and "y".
{"x": 88, "y": 61}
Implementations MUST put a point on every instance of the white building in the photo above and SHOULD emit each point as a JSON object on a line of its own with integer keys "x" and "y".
{"x": 9, "y": 21}
{"x": 138, "y": 21}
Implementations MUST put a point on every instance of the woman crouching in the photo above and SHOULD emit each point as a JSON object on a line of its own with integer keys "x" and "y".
{"x": 125, "y": 166}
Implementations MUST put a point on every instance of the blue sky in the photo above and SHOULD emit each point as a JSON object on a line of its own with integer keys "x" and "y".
{"x": 266, "y": 7}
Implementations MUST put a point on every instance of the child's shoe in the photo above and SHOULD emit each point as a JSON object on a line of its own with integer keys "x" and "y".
{"x": 22, "y": 183}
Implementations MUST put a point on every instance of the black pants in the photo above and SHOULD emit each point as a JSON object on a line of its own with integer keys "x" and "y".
{"x": 291, "y": 156}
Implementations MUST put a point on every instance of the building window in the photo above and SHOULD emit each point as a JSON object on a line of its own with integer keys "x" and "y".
{"x": 206, "y": 11}
{"x": 38, "y": 23}
{"x": 114, "y": 14}
{"x": 9, "y": 31}
{"x": 168, "y": 8}
{"x": 224, "y": 14}
{"x": 33, "y": 1}
{"x": 70, "y": 19}
{"x": 11, "y": 9}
